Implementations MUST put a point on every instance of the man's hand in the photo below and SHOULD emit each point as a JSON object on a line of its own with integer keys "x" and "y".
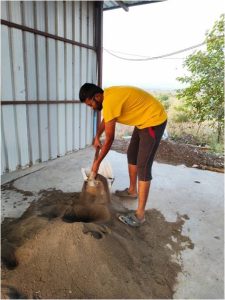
{"x": 97, "y": 143}
{"x": 91, "y": 179}
{"x": 109, "y": 131}
{"x": 92, "y": 176}
{"x": 101, "y": 128}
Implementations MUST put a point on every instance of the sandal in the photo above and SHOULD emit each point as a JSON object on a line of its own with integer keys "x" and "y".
{"x": 125, "y": 193}
{"x": 131, "y": 220}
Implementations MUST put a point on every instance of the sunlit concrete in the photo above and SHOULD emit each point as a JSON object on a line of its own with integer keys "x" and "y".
{"x": 174, "y": 190}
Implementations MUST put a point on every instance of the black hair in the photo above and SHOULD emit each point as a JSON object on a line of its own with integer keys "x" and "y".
{"x": 88, "y": 90}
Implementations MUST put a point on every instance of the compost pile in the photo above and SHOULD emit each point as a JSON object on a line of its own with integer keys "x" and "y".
{"x": 71, "y": 245}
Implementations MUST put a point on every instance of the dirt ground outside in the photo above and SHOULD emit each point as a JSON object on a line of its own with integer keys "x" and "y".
{"x": 177, "y": 153}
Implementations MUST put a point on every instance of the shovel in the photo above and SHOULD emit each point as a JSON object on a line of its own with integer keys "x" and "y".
{"x": 92, "y": 183}
{"x": 104, "y": 170}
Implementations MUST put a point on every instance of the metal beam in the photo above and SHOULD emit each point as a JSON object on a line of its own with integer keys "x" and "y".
{"x": 99, "y": 47}
{"x": 123, "y": 5}
{"x": 45, "y": 34}
{"x": 128, "y": 4}
{"x": 38, "y": 102}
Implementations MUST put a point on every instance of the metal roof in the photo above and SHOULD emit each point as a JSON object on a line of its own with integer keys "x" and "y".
{"x": 125, "y": 4}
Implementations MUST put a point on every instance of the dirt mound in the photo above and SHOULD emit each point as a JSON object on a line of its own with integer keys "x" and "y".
{"x": 61, "y": 248}
{"x": 176, "y": 153}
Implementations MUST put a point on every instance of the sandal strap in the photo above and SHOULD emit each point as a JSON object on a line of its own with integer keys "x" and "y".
{"x": 131, "y": 220}
{"x": 125, "y": 193}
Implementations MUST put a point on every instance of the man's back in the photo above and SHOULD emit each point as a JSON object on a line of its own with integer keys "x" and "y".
{"x": 132, "y": 106}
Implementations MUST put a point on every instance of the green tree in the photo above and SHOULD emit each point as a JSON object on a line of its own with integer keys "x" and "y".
{"x": 165, "y": 100}
{"x": 204, "y": 94}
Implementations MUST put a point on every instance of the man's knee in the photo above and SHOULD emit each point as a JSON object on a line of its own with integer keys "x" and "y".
{"x": 144, "y": 174}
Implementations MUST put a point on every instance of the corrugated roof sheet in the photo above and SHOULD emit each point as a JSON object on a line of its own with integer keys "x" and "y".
{"x": 125, "y": 4}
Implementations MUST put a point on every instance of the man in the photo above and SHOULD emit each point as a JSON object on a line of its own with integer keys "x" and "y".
{"x": 135, "y": 107}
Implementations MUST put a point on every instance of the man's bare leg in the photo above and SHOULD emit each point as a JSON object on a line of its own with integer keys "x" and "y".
{"x": 133, "y": 179}
{"x": 143, "y": 191}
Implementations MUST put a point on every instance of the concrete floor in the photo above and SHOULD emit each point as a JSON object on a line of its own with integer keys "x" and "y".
{"x": 175, "y": 189}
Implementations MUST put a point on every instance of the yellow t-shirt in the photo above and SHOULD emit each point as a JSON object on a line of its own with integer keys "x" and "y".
{"x": 132, "y": 106}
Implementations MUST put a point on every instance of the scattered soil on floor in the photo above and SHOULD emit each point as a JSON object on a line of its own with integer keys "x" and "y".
{"x": 72, "y": 246}
{"x": 176, "y": 153}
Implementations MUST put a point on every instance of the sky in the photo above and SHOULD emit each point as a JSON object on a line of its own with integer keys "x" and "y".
{"x": 153, "y": 30}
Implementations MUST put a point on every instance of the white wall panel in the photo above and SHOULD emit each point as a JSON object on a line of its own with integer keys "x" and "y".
{"x": 61, "y": 96}
{"x": 76, "y": 132}
{"x": 15, "y": 12}
{"x": 4, "y": 160}
{"x": 61, "y": 80}
{"x": 90, "y": 37}
{"x": 42, "y": 80}
{"x": 83, "y": 122}
{"x": 6, "y": 68}
{"x": 91, "y": 25}
{"x": 69, "y": 75}
{"x": 4, "y": 10}
{"x": 8, "y": 120}
{"x": 52, "y": 90}
{"x": 77, "y": 107}
{"x": 31, "y": 82}
{"x": 83, "y": 140}
{"x": 69, "y": 107}
{"x": 39, "y": 68}
{"x": 89, "y": 125}
{"x": 19, "y": 84}
{"x": 76, "y": 72}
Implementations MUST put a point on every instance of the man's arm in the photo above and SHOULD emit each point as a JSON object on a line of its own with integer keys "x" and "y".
{"x": 100, "y": 130}
{"x": 109, "y": 137}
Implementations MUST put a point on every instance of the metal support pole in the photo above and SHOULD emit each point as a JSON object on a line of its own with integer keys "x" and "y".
{"x": 99, "y": 47}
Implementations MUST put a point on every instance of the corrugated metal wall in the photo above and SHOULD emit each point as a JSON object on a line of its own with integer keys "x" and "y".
{"x": 41, "y": 68}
